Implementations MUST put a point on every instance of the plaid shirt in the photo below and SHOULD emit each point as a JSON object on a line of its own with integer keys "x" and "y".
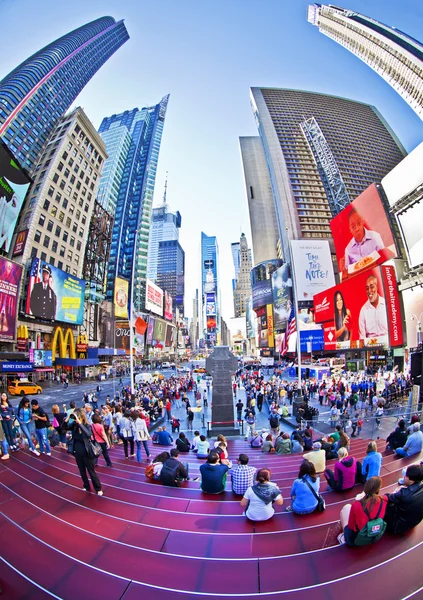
{"x": 242, "y": 478}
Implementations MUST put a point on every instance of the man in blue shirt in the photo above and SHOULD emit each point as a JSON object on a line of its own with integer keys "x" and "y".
{"x": 164, "y": 438}
{"x": 414, "y": 443}
{"x": 213, "y": 475}
{"x": 363, "y": 242}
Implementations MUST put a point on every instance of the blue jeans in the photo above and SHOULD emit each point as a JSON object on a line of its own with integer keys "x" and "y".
{"x": 42, "y": 439}
{"x": 5, "y": 447}
{"x": 401, "y": 452}
{"x": 7, "y": 429}
{"x": 147, "y": 451}
{"x": 27, "y": 429}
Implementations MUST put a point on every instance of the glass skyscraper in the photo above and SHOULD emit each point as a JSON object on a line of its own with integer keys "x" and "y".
{"x": 394, "y": 55}
{"x": 171, "y": 272}
{"x": 128, "y": 184}
{"x": 165, "y": 225}
{"x": 39, "y": 91}
{"x": 210, "y": 288}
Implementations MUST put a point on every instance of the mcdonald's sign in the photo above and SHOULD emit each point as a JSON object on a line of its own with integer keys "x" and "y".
{"x": 82, "y": 346}
{"x": 22, "y": 338}
{"x": 66, "y": 344}
{"x": 19, "y": 248}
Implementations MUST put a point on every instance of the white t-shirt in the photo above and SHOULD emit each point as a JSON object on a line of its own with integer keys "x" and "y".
{"x": 257, "y": 510}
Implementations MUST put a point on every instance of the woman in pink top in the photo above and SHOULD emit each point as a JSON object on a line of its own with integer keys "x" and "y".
{"x": 345, "y": 472}
{"x": 101, "y": 438}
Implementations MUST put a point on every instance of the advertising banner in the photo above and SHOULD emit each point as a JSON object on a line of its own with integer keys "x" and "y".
{"x": 262, "y": 293}
{"x": 410, "y": 223}
{"x": 211, "y": 323}
{"x": 315, "y": 337}
{"x": 150, "y": 330}
{"x": 361, "y": 312}
{"x": 121, "y": 297}
{"x": 159, "y": 332}
{"x": 19, "y": 248}
{"x": 168, "y": 312}
{"x": 122, "y": 335}
{"x": 362, "y": 234}
{"x": 10, "y": 278}
{"x": 413, "y": 309}
{"x": 250, "y": 318}
{"x": 282, "y": 297}
{"x": 14, "y": 185}
{"x": 169, "y": 335}
{"x": 313, "y": 269}
{"x": 41, "y": 358}
{"x": 405, "y": 177}
{"x": 210, "y": 304}
{"x": 54, "y": 295}
{"x": 154, "y": 298}
{"x": 270, "y": 326}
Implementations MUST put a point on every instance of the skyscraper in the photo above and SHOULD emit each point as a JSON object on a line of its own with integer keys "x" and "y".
{"x": 171, "y": 272}
{"x": 242, "y": 289}
{"x": 235, "y": 250}
{"x": 39, "y": 91}
{"x": 131, "y": 167}
{"x": 261, "y": 205}
{"x": 311, "y": 139}
{"x": 394, "y": 55}
{"x": 210, "y": 288}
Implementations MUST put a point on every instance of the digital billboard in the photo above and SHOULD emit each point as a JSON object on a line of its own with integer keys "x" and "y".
{"x": 362, "y": 234}
{"x": 150, "y": 330}
{"x": 154, "y": 298}
{"x": 20, "y": 242}
{"x": 121, "y": 297}
{"x": 405, "y": 177}
{"x": 10, "y": 278}
{"x": 410, "y": 223}
{"x": 122, "y": 335}
{"x": 168, "y": 312}
{"x": 210, "y": 304}
{"x": 54, "y": 295}
{"x": 282, "y": 297}
{"x": 14, "y": 185}
{"x": 169, "y": 335}
{"x": 41, "y": 358}
{"x": 313, "y": 268}
{"x": 413, "y": 309}
{"x": 159, "y": 332}
{"x": 361, "y": 312}
{"x": 250, "y": 317}
{"x": 261, "y": 282}
{"x": 211, "y": 323}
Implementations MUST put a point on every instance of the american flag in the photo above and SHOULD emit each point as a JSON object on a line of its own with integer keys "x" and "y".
{"x": 291, "y": 328}
{"x": 34, "y": 277}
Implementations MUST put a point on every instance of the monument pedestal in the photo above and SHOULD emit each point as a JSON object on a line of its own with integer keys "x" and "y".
{"x": 222, "y": 364}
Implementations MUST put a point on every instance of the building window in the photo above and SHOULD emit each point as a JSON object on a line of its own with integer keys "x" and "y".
{"x": 46, "y": 242}
{"x": 62, "y": 251}
{"x": 68, "y": 222}
{"x": 52, "y": 259}
{"x": 33, "y": 252}
{"x": 58, "y": 231}
{"x": 78, "y": 245}
{"x": 64, "y": 203}
{"x": 50, "y": 226}
{"x": 37, "y": 236}
{"x": 50, "y": 191}
{"x": 46, "y": 204}
{"x": 61, "y": 216}
{"x": 43, "y": 256}
{"x": 72, "y": 241}
{"x": 41, "y": 220}
{"x": 59, "y": 264}
{"x": 75, "y": 227}
{"x": 53, "y": 211}
{"x": 55, "y": 178}
{"x": 70, "y": 254}
{"x": 54, "y": 246}
{"x": 65, "y": 236}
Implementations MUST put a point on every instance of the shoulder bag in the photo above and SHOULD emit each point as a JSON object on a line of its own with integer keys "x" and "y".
{"x": 320, "y": 502}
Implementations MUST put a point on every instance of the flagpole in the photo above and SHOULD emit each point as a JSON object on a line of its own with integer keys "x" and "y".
{"x": 294, "y": 288}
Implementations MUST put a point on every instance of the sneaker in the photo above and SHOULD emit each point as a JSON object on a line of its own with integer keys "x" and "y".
{"x": 48, "y": 453}
{"x": 289, "y": 509}
{"x": 110, "y": 465}
{"x": 100, "y": 493}
{"x": 341, "y": 538}
{"x": 5, "y": 456}
{"x": 196, "y": 479}
{"x": 34, "y": 451}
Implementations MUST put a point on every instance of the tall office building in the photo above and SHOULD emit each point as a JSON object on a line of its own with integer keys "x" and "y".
{"x": 312, "y": 140}
{"x": 39, "y": 91}
{"x": 171, "y": 272}
{"x": 165, "y": 226}
{"x": 394, "y": 55}
{"x": 242, "y": 289}
{"x": 210, "y": 292}
{"x": 128, "y": 185}
{"x": 261, "y": 205}
{"x": 235, "y": 250}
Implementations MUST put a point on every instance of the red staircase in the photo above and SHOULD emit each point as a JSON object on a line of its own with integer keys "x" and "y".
{"x": 143, "y": 540}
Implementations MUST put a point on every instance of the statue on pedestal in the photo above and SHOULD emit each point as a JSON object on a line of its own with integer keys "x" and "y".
{"x": 222, "y": 364}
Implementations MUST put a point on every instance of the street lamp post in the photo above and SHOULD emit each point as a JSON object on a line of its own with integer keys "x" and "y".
{"x": 131, "y": 314}
{"x": 418, "y": 327}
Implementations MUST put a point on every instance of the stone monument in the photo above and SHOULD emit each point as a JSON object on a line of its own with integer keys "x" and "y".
{"x": 222, "y": 364}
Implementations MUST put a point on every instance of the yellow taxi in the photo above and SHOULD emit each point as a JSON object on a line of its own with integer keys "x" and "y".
{"x": 23, "y": 388}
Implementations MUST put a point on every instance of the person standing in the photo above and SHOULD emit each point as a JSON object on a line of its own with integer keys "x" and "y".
{"x": 127, "y": 433}
{"x": 190, "y": 418}
{"x": 101, "y": 438}
{"x": 7, "y": 415}
{"x": 82, "y": 433}
{"x": 41, "y": 424}
{"x": 141, "y": 434}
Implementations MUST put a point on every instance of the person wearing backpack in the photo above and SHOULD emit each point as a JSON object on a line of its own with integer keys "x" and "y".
{"x": 405, "y": 505}
{"x": 173, "y": 471}
{"x": 362, "y": 522}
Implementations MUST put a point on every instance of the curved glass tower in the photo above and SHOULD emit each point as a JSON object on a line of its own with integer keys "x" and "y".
{"x": 40, "y": 90}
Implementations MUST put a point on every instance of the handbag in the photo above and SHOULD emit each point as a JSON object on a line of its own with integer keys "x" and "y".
{"x": 320, "y": 501}
{"x": 69, "y": 445}
{"x": 93, "y": 449}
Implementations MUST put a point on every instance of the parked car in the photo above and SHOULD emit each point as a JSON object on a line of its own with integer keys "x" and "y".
{"x": 23, "y": 388}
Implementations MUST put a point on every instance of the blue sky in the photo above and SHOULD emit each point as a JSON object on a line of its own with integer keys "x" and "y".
{"x": 206, "y": 54}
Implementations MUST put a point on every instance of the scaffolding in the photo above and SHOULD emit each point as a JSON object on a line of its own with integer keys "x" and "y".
{"x": 329, "y": 172}
{"x": 95, "y": 269}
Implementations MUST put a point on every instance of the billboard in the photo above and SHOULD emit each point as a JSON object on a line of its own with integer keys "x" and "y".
{"x": 410, "y": 223}
{"x": 362, "y": 234}
{"x": 159, "y": 332}
{"x": 313, "y": 268}
{"x": 54, "y": 295}
{"x": 250, "y": 318}
{"x": 41, "y": 358}
{"x": 361, "y": 312}
{"x": 413, "y": 309}
{"x": 121, "y": 297}
{"x": 282, "y": 297}
{"x": 210, "y": 304}
{"x": 211, "y": 323}
{"x": 261, "y": 282}
{"x": 20, "y": 242}
{"x": 168, "y": 312}
{"x": 262, "y": 293}
{"x": 270, "y": 326}
{"x": 169, "y": 335}
{"x": 150, "y": 330}
{"x": 122, "y": 335}
{"x": 405, "y": 177}
{"x": 14, "y": 184}
{"x": 154, "y": 298}
{"x": 10, "y": 278}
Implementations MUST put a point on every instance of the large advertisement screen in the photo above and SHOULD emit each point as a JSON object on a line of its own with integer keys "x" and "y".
{"x": 54, "y": 295}
{"x": 159, "y": 332}
{"x": 122, "y": 335}
{"x": 410, "y": 222}
{"x": 362, "y": 234}
{"x": 41, "y": 358}
{"x": 282, "y": 297}
{"x": 261, "y": 282}
{"x": 168, "y": 312}
{"x": 10, "y": 278}
{"x": 121, "y": 297}
{"x": 413, "y": 309}
{"x": 405, "y": 177}
{"x": 361, "y": 312}
{"x": 210, "y": 304}
{"x": 250, "y": 317}
{"x": 154, "y": 298}
{"x": 169, "y": 335}
{"x": 150, "y": 330}
{"x": 14, "y": 184}
{"x": 313, "y": 269}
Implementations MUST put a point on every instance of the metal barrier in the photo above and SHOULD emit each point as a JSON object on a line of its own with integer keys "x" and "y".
{"x": 233, "y": 424}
